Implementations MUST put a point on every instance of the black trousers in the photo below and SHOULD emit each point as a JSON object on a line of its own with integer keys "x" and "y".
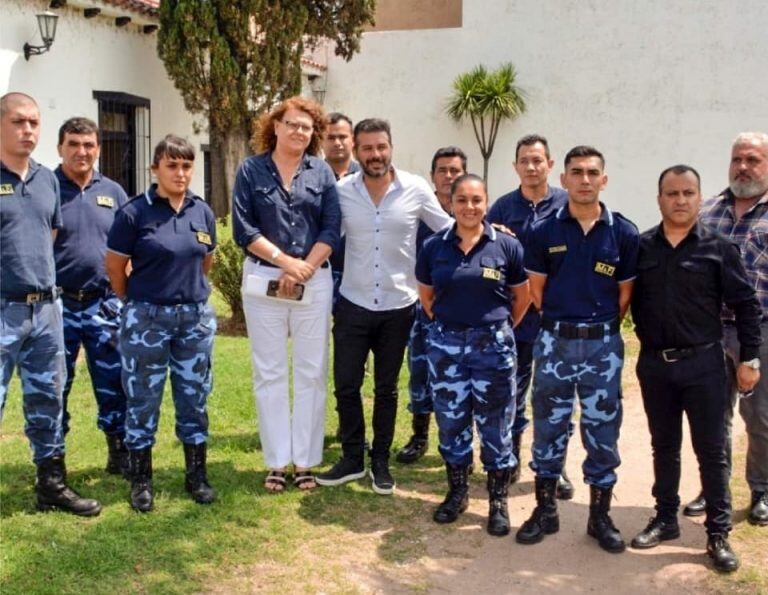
{"x": 356, "y": 331}
{"x": 696, "y": 386}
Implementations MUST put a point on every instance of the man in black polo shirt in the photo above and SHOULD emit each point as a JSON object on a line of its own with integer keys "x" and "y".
{"x": 32, "y": 336}
{"x": 685, "y": 274}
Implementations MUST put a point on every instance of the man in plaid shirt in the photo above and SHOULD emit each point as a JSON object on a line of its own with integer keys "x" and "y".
{"x": 740, "y": 213}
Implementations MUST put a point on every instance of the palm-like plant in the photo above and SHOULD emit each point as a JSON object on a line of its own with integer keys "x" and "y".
{"x": 487, "y": 99}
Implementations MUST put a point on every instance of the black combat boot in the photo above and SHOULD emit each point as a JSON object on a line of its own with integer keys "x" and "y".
{"x": 498, "y": 516}
{"x": 457, "y": 499}
{"x": 419, "y": 442}
{"x": 696, "y": 507}
{"x": 758, "y": 512}
{"x": 600, "y": 526}
{"x": 544, "y": 520}
{"x": 140, "y": 472}
{"x": 196, "y": 479}
{"x": 117, "y": 457}
{"x": 564, "y": 485}
{"x": 515, "y": 471}
{"x": 53, "y": 493}
{"x": 723, "y": 558}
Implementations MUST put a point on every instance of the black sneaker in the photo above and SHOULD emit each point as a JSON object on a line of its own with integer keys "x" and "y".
{"x": 345, "y": 470}
{"x": 383, "y": 482}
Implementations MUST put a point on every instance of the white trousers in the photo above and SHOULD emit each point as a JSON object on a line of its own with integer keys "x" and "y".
{"x": 287, "y": 439}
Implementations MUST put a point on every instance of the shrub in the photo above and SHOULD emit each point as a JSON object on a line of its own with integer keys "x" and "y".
{"x": 227, "y": 272}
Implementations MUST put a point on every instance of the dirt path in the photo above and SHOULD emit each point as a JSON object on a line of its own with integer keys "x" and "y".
{"x": 464, "y": 559}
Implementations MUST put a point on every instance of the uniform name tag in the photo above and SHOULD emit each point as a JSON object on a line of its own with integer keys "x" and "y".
{"x": 105, "y": 201}
{"x": 556, "y": 249}
{"x": 6, "y": 189}
{"x": 604, "y": 269}
{"x": 204, "y": 238}
{"x": 491, "y": 274}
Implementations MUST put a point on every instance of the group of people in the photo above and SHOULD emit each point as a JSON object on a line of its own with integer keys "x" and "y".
{"x": 487, "y": 300}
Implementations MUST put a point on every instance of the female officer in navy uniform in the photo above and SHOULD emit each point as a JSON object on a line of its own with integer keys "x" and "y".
{"x": 168, "y": 234}
{"x": 472, "y": 283}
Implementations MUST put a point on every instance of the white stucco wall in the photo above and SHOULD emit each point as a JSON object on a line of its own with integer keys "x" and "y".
{"x": 649, "y": 83}
{"x": 87, "y": 55}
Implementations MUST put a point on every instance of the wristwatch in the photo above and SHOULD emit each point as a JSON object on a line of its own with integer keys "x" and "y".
{"x": 753, "y": 363}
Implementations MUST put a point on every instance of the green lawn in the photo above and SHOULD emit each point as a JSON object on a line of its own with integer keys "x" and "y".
{"x": 181, "y": 546}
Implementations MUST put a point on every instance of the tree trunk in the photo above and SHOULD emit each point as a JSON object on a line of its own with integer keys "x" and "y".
{"x": 228, "y": 149}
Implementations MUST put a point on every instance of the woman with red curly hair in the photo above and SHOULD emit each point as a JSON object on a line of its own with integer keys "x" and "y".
{"x": 286, "y": 217}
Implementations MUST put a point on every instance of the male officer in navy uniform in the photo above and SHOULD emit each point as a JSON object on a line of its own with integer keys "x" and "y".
{"x": 581, "y": 262}
{"x": 685, "y": 273}
{"x": 89, "y": 202}
{"x": 518, "y": 210}
{"x": 32, "y": 337}
{"x": 448, "y": 163}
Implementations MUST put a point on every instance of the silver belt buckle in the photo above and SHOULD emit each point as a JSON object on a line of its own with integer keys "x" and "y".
{"x": 666, "y": 358}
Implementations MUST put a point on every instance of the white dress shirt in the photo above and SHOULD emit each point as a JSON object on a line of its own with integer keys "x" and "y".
{"x": 381, "y": 240}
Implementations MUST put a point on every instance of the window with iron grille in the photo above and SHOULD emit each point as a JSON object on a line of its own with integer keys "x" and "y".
{"x": 124, "y": 121}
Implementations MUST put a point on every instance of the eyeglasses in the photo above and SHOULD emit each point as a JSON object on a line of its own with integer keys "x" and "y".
{"x": 297, "y": 126}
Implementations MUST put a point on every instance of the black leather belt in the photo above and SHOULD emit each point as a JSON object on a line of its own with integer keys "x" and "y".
{"x": 83, "y": 295}
{"x": 675, "y": 354}
{"x": 569, "y": 330}
{"x": 266, "y": 263}
{"x": 48, "y": 295}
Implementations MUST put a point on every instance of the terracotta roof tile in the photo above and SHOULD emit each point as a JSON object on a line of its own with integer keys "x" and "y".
{"x": 145, "y": 7}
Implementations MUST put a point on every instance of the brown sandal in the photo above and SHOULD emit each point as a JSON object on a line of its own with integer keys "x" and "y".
{"x": 275, "y": 481}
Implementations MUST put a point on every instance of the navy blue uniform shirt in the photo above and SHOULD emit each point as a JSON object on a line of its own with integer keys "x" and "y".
{"x": 337, "y": 256}
{"x": 518, "y": 214}
{"x": 583, "y": 271}
{"x": 472, "y": 289}
{"x": 29, "y": 210}
{"x": 293, "y": 221}
{"x": 166, "y": 248}
{"x": 82, "y": 241}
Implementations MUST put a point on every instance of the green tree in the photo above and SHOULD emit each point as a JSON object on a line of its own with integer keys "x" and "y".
{"x": 487, "y": 99}
{"x": 233, "y": 59}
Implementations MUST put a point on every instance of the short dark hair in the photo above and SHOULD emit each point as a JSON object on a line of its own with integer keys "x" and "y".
{"x": 468, "y": 178}
{"x": 451, "y": 151}
{"x": 336, "y": 117}
{"x": 678, "y": 170}
{"x": 79, "y": 125}
{"x": 372, "y": 125}
{"x": 15, "y": 97}
{"x": 584, "y": 151}
{"x": 173, "y": 147}
{"x": 529, "y": 140}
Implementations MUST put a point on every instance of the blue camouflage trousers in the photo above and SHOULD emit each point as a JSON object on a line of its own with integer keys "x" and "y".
{"x": 591, "y": 370}
{"x": 152, "y": 339}
{"x": 31, "y": 339}
{"x": 418, "y": 383}
{"x": 95, "y": 325}
{"x": 472, "y": 375}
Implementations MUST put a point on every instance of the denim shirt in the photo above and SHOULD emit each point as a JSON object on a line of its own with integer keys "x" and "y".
{"x": 293, "y": 221}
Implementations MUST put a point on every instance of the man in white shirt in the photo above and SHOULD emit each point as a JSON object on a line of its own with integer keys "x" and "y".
{"x": 381, "y": 210}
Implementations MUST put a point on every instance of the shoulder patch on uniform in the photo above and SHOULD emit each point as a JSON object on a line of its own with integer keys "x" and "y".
{"x": 556, "y": 249}
{"x": 6, "y": 189}
{"x": 105, "y": 201}
{"x": 605, "y": 269}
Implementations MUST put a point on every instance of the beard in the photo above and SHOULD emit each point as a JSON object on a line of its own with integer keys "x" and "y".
{"x": 371, "y": 173}
{"x": 748, "y": 189}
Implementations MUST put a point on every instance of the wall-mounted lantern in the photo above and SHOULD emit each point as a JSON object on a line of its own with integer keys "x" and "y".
{"x": 46, "y": 22}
